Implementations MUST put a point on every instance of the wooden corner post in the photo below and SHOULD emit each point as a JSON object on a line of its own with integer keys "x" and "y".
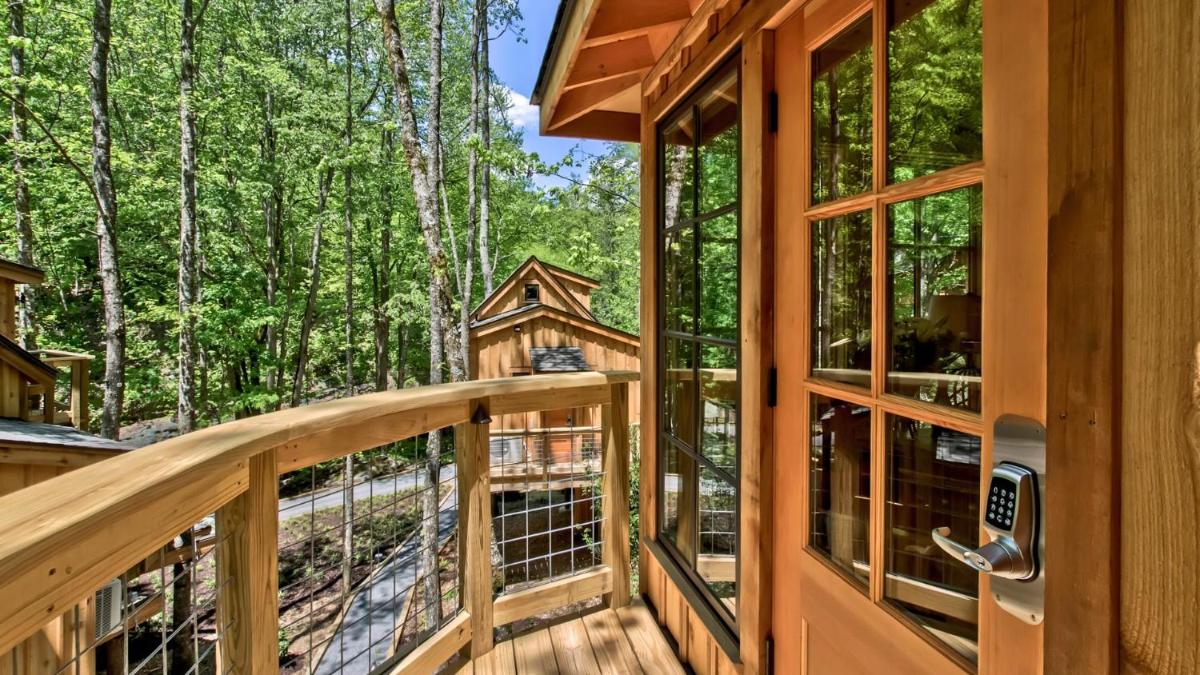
{"x": 615, "y": 493}
{"x": 247, "y": 573}
{"x": 475, "y": 525}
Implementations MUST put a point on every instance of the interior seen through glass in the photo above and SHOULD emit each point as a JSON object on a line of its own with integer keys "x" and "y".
{"x": 841, "y": 298}
{"x": 935, "y": 261}
{"x": 840, "y": 484}
{"x": 932, "y": 481}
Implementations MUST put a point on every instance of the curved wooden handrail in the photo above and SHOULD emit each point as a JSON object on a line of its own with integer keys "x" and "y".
{"x": 62, "y": 538}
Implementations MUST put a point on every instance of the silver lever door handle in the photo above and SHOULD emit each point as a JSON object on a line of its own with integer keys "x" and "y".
{"x": 992, "y": 558}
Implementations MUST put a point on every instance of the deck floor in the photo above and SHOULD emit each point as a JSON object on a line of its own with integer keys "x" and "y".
{"x": 626, "y": 640}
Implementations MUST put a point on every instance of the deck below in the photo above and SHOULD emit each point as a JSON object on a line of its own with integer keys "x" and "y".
{"x": 626, "y": 640}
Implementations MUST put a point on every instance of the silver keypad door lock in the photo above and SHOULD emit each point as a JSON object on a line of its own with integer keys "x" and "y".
{"x": 1013, "y": 520}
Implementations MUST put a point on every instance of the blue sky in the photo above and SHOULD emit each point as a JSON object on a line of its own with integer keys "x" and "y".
{"x": 516, "y": 64}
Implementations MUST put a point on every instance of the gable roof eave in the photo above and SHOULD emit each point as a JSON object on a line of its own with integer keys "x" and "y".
{"x": 505, "y": 320}
{"x": 532, "y": 262}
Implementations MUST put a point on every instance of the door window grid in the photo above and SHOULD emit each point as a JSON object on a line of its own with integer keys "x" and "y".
{"x": 883, "y": 407}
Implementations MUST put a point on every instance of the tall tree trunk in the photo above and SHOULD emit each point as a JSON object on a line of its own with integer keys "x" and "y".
{"x": 423, "y": 171}
{"x": 486, "y": 265}
{"x": 106, "y": 222}
{"x": 324, "y": 181}
{"x": 272, "y": 221}
{"x": 383, "y": 274}
{"x": 20, "y": 134}
{"x": 181, "y": 651}
{"x": 468, "y": 280}
{"x": 348, "y": 222}
{"x": 188, "y": 278}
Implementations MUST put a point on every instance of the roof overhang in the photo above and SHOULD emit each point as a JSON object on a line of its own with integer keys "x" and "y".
{"x": 599, "y": 53}
{"x": 21, "y": 274}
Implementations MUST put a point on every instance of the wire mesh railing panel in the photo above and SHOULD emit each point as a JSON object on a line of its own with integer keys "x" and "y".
{"x": 547, "y": 515}
{"x": 368, "y": 556}
{"x": 159, "y": 617}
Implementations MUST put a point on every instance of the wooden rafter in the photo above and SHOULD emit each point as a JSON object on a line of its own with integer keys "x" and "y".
{"x": 578, "y": 102}
{"x": 611, "y": 60}
{"x": 625, "y": 17}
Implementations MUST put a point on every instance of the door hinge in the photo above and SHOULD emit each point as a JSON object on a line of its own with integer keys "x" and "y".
{"x": 772, "y": 387}
{"x": 769, "y": 656}
{"x": 773, "y": 112}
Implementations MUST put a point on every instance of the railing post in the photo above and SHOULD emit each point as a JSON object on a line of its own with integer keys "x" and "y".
{"x": 247, "y": 574}
{"x": 475, "y": 524}
{"x": 79, "y": 393}
{"x": 615, "y": 493}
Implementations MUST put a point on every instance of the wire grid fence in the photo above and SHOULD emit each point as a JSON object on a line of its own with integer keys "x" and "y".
{"x": 546, "y": 495}
{"x": 368, "y": 556}
{"x": 158, "y": 617}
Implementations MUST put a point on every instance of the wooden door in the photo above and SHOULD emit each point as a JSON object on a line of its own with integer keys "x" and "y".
{"x": 910, "y": 315}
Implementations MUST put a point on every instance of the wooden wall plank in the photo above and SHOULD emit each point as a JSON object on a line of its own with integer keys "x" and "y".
{"x": 757, "y": 303}
{"x": 1082, "y": 398}
{"x": 1160, "y": 357}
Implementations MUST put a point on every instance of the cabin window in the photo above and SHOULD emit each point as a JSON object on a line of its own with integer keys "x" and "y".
{"x": 895, "y": 240}
{"x": 533, "y": 293}
{"x": 698, "y": 358}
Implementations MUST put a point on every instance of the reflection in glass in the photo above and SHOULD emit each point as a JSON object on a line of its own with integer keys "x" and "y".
{"x": 678, "y": 173}
{"x": 932, "y": 481}
{"x": 935, "y": 259}
{"x": 935, "y": 91}
{"x": 679, "y": 391}
{"x": 716, "y": 561}
{"x": 840, "y": 483}
{"x": 841, "y": 114}
{"x": 718, "y": 393}
{"x": 719, "y": 277}
{"x": 718, "y": 150}
{"x": 679, "y": 501}
{"x": 679, "y": 282}
{"x": 698, "y": 315}
{"x": 841, "y": 298}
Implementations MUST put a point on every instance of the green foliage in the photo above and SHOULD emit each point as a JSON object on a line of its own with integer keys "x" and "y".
{"x": 271, "y": 117}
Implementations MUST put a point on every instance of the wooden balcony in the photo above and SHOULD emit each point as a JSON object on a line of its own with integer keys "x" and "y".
{"x": 65, "y": 538}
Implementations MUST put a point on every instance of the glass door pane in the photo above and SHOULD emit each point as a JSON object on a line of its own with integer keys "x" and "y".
{"x": 842, "y": 120}
{"x": 840, "y": 268}
{"x": 840, "y": 484}
{"x": 935, "y": 86}
{"x": 932, "y": 481}
{"x": 935, "y": 263}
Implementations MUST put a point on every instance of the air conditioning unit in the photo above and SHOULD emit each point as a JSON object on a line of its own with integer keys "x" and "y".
{"x": 110, "y": 601}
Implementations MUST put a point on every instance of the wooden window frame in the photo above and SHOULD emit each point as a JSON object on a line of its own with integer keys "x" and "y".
{"x": 881, "y": 404}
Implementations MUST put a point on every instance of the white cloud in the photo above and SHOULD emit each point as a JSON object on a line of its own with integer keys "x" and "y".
{"x": 520, "y": 110}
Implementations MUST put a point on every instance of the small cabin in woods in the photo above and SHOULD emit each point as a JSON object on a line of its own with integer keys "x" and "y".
{"x": 540, "y": 320}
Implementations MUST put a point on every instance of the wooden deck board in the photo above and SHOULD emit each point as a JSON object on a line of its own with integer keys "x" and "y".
{"x": 573, "y": 649}
{"x": 613, "y": 652}
{"x": 624, "y": 642}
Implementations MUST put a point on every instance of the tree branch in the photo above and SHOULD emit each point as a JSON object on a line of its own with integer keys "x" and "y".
{"x": 87, "y": 180}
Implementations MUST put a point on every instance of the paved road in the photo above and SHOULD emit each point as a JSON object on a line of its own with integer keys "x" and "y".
{"x": 303, "y": 505}
{"x": 363, "y": 640}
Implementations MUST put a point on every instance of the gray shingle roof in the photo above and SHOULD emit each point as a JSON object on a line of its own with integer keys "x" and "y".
{"x": 557, "y": 360}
